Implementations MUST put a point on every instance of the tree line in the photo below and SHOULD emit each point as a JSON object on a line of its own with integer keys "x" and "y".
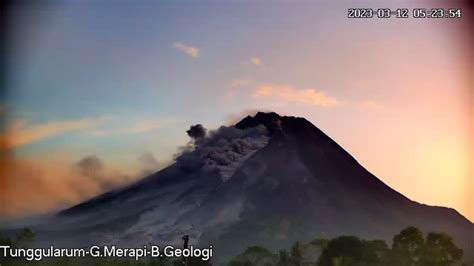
{"x": 409, "y": 248}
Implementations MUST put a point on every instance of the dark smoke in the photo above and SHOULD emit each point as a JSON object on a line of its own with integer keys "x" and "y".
{"x": 196, "y": 132}
{"x": 223, "y": 150}
{"x": 90, "y": 166}
{"x": 93, "y": 167}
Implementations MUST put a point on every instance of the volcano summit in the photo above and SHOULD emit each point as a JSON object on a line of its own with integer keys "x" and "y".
{"x": 268, "y": 180}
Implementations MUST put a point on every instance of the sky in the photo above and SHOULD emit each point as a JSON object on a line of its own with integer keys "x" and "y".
{"x": 100, "y": 93}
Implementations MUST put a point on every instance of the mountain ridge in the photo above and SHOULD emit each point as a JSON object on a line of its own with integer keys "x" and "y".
{"x": 295, "y": 183}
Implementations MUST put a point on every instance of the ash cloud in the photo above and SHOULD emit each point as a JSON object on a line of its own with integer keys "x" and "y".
{"x": 90, "y": 166}
{"x": 223, "y": 150}
{"x": 30, "y": 187}
{"x": 34, "y": 187}
{"x": 93, "y": 168}
{"x": 150, "y": 163}
{"x": 196, "y": 132}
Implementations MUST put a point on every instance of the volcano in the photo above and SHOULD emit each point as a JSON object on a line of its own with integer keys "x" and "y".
{"x": 268, "y": 180}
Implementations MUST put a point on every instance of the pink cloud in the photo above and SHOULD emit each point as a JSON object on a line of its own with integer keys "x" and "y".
{"x": 187, "y": 49}
{"x": 285, "y": 93}
{"x": 20, "y": 133}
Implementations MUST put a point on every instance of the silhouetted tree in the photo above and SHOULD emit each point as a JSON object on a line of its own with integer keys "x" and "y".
{"x": 440, "y": 250}
{"x": 340, "y": 251}
{"x": 283, "y": 258}
{"x": 25, "y": 238}
{"x": 321, "y": 243}
{"x": 296, "y": 256}
{"x": 407, "y": 247}
{"x": 255, "y": 255}
{"x": 374, "y": 252}
{"x": 350, "y": 250}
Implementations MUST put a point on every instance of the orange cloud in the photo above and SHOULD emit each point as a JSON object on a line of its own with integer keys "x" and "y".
{"x": 187, "y": 49}
{"x": 137, "y": 128}
{"x": 234, "y": 86}
{"x": 19, "y": 133}
{"x": 256, "y": 61}
{"x": 29, "y": 187}
{"x": 289, "y": 94}
{"x": 240, "y": 82}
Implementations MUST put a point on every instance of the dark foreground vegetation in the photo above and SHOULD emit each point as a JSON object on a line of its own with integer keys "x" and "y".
{"x": 409, "y": 248}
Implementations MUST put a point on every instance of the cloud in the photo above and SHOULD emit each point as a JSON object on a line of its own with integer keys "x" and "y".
{"x": 150, "y": 163}
{"x": 32, "y": 187}
{"x": 284, "y": 93}
{"x": 240, "y": 82}
{"x": 143, "y": 126}
{"x": 93, "y": 168}
{"x": 187, "y": 49}
{"x": 369, "y": 105}
{"x": 256, "y": 61}
{"x": 234, "y": 86}
{"x": 134, "y": 128}
{"x": 19, "y": 133}
{"x": 90, "y": 166}
{"x": 29, "y": 187}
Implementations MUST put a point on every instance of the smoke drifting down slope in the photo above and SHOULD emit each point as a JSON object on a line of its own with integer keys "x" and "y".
{"x": 222, "y": 151}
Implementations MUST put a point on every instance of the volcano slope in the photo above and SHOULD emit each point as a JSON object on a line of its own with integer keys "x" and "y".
{"x": 268, "y": 180}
